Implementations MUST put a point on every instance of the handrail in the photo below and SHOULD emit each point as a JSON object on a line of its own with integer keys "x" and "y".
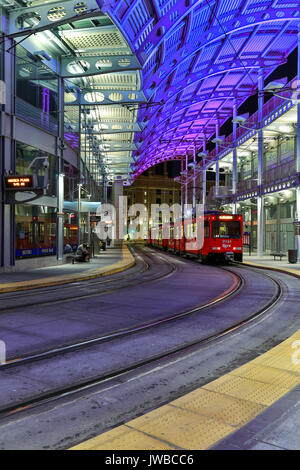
{"x": 36, "y": 116}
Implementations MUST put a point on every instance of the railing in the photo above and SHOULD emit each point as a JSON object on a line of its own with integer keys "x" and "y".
{"x": 285, "y": 170}
{"x": 36, "y": 116}
{"x": 268, "y": 108}
{"x": 246, "y": 185}
{"x": 223, "y": 191}
{"x": 71, "y": 138}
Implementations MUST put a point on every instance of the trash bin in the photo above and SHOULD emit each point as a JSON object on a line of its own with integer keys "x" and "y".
{"x": 292, "y": 254}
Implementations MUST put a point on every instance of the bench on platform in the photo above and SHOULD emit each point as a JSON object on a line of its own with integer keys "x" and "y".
{"x": 279, "y": 254}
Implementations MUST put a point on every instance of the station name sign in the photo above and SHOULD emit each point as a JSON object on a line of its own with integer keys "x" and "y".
{"x": 18, "y": 183}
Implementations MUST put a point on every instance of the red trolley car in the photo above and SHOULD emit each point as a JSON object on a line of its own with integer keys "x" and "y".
{"x": 222, "y": 237}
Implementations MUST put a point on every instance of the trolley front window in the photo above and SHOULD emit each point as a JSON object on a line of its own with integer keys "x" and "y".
{"x": 226, "y": 229}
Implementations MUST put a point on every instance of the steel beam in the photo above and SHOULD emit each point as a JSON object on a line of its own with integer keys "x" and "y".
{"x": 94, "y": 96}
{"x": 67, "y": 11}
{"x": 85, "y": 66}
{"x": 110, "y": 128}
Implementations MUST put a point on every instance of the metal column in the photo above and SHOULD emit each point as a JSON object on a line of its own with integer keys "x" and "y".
{"x": 186, "y": 177}
{"x": 60, "y": 173}
{"x": 260, "y": 201}
{"x": 298, "y": 153}
{"x": 194, "y": 178}
{"x": 181, "y": 187}
{"x": 7, "y": 152}
{"x": 217, "y": 162}
{"x": 204, "y": 175}
{"x": 118, "y": 204}
{"x": 79, "y": 213}
{"x": 234, "y": 159}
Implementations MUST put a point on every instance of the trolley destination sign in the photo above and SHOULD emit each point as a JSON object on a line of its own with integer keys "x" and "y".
{"x": 18, "y": 183}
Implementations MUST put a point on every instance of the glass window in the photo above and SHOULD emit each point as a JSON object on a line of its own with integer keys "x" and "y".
{"x": 206, "y": 229}
{"x": 271, "y": 212}
{"x": 287, "y": 210}
{"x": 226, "y": 229}
{"x": 287, "y": 148}
{"x": 271, "y": 156}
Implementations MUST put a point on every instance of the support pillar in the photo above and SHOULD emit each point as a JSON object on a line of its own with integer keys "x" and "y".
{"x": 7, "y": 153}
{"x": 60, "y": 173}
{"x": 204, "y": 175}
{"x": 260, "y": 201}
{"x": 104, "y": 189}
{"x": 186, "y": 177}
{"x": 234, "y": 159}
{"x": 117, "y": 203}
{"x": 297, "y": 241}
{"x": 182, "y": 186}
{"x": 79, "y": 213}
{"x": 217, "y": 161}
{"x": 194, "y": 179}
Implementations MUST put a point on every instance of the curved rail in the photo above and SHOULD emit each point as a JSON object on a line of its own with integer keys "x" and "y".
{"x": 96, "y": 381}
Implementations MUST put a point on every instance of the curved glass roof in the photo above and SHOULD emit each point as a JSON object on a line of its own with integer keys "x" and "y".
{"x": 152, "y": 78}
{"x": 102, "y": 77}
{"x": 199, "y": 57}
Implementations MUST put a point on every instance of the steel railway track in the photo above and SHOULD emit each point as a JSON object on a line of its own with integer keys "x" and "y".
{"x": 69, "y": 390}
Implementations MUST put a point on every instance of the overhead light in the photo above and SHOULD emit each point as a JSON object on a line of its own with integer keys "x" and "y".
{"x": 239, "y": 119}
{"x": 284, "y": 128}
{"x": 218, "y": 140}
{"x": 275, "y": 85}
{"x": 42, "y": 55}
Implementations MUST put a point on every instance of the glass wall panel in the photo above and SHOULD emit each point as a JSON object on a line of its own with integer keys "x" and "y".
{"x": 36, "y": 90}
{"x": 287, "y": 149}
{"x": 35, "y": 230}
{"x": 25, "y": 155}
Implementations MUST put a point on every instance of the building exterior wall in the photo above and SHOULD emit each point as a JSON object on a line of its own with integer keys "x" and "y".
{"x": 152, "y": 189}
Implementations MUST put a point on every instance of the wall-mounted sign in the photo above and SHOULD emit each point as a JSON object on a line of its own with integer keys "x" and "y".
{"x": 18, "y": 183}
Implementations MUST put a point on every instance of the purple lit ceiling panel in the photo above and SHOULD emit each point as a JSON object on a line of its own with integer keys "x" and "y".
{"x": 188, "y": 91}
{"x": 197, "y": 59}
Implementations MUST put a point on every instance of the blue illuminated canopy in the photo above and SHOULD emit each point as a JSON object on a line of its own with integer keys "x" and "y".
{"x": 199, "y": 58}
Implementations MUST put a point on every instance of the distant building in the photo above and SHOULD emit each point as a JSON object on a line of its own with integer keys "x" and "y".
{"x": 152, "y": 188}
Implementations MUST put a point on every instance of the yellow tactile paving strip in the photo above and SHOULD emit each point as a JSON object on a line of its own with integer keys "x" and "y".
{"x": 126, "y": 262}
{"x": 203, "y": 417}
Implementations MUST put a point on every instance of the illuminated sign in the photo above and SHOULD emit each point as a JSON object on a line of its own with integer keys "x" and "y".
{"x": 225, "y": 217}
{"x": 18, "y": 183}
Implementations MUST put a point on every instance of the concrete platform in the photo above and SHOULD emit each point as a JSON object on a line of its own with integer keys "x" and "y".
{"x": 111, "y": 261}
{"x": 256, "y": 406}
{"x": 268, "y": 262}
